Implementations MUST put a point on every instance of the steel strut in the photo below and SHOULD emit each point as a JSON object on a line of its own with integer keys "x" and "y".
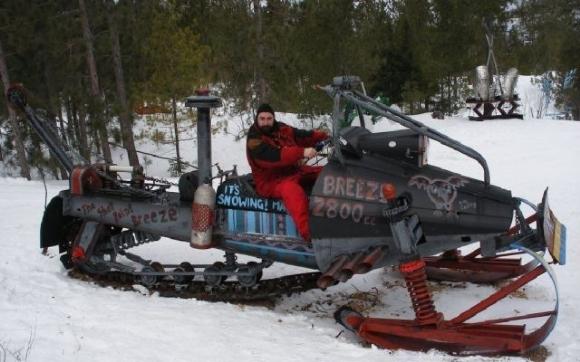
{"x": 474, "y": 268}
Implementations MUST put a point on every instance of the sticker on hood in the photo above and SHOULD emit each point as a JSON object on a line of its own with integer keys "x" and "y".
{"x": 441, "y": 192}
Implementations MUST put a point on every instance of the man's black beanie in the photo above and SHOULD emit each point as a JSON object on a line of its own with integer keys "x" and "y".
{"x": 264, "y": 107}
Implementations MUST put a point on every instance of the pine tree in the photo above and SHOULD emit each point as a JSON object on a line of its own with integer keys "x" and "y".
{"x": 96, "y": 99}
{"x": 125, "y": 114}
{"x": 174, "y": 58}
{"x": 18, "y": 142}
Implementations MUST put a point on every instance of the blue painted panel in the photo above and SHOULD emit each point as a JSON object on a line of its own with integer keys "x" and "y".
{"x": 245, "y": 221}
{"x": 294, "y": 257}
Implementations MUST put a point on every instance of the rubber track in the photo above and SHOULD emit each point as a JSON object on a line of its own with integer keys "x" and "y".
{"x": 265, "y": 290}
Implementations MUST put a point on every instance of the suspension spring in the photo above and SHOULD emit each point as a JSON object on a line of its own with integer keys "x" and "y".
{"x": 130, "y": 238}
{"x": 416, "y": 280}
{"x": 231, "y": 259}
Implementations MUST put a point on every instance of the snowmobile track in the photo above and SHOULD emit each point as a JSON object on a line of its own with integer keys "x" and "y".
{"x": 265, "y": 290}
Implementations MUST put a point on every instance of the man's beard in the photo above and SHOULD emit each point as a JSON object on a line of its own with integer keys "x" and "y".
{"x": 267, "y": 129}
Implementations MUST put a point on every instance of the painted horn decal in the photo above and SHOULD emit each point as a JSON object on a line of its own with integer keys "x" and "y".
{"x": 441, "y": 192}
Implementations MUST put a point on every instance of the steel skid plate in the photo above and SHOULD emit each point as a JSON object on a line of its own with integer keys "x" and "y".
{"x": 452, "y": 266}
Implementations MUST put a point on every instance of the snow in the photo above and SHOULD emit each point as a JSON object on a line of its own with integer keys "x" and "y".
{"x": 47, "y": 316}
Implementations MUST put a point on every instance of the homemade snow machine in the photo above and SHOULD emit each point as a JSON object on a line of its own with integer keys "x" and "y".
{"x": 376, "y": 203}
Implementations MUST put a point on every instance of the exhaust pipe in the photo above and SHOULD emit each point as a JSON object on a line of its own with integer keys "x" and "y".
{"x": 204, "y": 198}
{"x": 369, "y": 261}
{"x": 349, "y": 268}
{"x": 331, "y": 275}
{"x": 203, "y": 102}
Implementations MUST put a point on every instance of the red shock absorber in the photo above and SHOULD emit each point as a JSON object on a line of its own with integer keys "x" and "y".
{"x": 416, "y": 280}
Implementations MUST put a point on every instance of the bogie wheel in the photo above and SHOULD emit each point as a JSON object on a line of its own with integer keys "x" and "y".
{"x": 248, "y": 280}
{"x": 184, "y": 267}
{"x": 150, "y": 280}
{"x": 157, "y": 267}
{"x": 254, "y": 265}
{"x": 255, "y": 274}
{"x": 214, "y": 280}
{"x": 147, "y": 280}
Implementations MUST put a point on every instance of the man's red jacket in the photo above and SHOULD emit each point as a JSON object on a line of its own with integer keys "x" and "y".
{"x": 274, "y": 156}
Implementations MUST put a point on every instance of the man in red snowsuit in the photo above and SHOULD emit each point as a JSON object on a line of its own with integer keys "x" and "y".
{"x": 275, "y": 151}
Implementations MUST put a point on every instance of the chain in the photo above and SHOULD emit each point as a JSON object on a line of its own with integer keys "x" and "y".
{"x": 161, "y": 181}
{"x": 130, "y": 190}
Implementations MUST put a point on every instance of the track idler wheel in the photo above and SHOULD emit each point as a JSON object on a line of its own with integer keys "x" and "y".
{"x": 149, "y": 280}
{"x": 255, "y": 274}
{"x": 212, "y": 279}
{"x": 184, "y": 267}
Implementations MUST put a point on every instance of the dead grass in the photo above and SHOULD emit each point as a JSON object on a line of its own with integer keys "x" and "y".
{"x": 539, "y": 354}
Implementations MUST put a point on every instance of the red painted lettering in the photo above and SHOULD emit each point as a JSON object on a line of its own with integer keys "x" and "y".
{"x": 318, "y": 209}
{"x": 136, "y": 219}
{"x": 372, "y": 188}
{"x": 172, "y": 214}
{"x": 340, "y": 183}
{"x": 350, "y": 182}
{"x": 328, "y": 185}
{"x": 360, "y": 190}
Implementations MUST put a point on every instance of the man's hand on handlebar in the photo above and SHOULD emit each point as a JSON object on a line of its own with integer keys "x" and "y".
{"x": 310, "y": 152}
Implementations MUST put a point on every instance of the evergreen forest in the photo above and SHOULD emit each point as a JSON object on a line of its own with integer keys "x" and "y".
{"x": 93, "y": 66}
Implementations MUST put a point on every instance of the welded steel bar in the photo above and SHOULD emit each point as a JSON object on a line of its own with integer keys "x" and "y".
{"x": 56, "y": 147}
{"x": 370, "y": 104}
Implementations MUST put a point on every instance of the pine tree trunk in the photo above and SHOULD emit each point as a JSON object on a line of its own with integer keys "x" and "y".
{"x": 18, "y": 142}
{"x": 262, "y": 86}
{"x": 176, "y": 130}
{"x": 455, "y": 98}
{"x": 97, "y": 98}
{"x": 96, "y": 137}
{"x": 79, "y": 115}
{"x": 63, "y": 133}
{"x": 125, "y": 116}
{"x": 52, "y": 114}
{"x": 449, "y": 95}
{"x": 71, "y": 129}
{"x": 83, "y": 137}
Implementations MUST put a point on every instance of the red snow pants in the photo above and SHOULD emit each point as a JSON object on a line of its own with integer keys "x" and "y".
{"x": 291, "y": 191}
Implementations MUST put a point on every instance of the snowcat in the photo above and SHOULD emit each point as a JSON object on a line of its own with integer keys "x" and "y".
{"x": 376, "y": 203}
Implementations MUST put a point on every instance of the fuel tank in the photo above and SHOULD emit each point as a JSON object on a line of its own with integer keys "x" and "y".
{"x": 510, "y": 81}
{"x": 482, "y": 82}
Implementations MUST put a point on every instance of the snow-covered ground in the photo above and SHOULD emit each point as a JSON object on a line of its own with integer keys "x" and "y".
{"x": 47, "y": 316}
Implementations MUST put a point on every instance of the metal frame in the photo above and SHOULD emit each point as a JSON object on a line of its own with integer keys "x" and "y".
{"x": 344, "y": 88}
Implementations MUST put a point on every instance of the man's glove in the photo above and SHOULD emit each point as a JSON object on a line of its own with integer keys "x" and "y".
{"x": 320, "y": 145}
